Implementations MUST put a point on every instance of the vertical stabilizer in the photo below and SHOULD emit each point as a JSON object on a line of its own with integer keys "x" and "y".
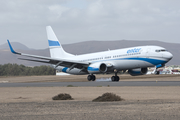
{"x": 56, "y": 50}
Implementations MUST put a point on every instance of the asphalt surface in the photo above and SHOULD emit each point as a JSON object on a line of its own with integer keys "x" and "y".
{"x": 100, "y": 83}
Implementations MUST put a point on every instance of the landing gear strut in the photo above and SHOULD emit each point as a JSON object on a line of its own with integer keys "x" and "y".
{"x": 115, "y": 78}
{"x": 156, "y": 72}
{"x": 91, "y": 77}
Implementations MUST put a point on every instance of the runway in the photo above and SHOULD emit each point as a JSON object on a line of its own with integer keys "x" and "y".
{"x": 92, "y": 84}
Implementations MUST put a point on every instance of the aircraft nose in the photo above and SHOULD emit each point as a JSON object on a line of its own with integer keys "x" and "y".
{"x": 169, "y": 56}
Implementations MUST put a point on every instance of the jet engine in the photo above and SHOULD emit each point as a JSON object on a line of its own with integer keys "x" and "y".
{"x": 96, "y": 68}
{"x": 138, "y": 71}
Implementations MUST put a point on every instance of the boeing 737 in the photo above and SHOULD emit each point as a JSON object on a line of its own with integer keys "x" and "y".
{"x": 135, "y": 60}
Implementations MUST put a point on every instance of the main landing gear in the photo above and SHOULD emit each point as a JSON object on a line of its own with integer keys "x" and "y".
{"x": 91, "y": 77}
{"x": 115, "y": 78}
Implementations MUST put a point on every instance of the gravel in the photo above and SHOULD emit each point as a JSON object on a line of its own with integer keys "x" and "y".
{"x": 85, "y": 110}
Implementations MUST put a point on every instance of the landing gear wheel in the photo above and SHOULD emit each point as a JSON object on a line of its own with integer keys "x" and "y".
{"x": 115, "y": 78}
{"x": 157, "y": 73}
{"x": 91, "y": 77}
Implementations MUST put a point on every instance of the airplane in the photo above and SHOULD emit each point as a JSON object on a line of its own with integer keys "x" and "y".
{"x": 135, "y": 60}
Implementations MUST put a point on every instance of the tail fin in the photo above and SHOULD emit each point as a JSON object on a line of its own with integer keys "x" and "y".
{"x": 56, "y": 50}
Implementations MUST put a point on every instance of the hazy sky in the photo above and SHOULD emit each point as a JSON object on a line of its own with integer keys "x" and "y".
{"x": 83, "y": 20}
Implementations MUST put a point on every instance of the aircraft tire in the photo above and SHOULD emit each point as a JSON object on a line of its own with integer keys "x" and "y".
{"x": 89, "y": 77}
{"x": 157, "y": 72}
{"x": 93, "y": 77}
{"x": 117, "y": 78}
{"x": 113, "y": 78}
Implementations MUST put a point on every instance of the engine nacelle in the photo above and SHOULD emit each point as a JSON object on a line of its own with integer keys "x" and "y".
{"x": 96, "y": 68}
{"x": 138, "y": 71}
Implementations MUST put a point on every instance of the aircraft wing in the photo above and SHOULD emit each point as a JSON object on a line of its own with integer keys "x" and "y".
{"x": 58, "y": 62}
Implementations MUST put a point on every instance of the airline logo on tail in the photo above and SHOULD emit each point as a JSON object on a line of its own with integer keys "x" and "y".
{"x": 53, "y": 43}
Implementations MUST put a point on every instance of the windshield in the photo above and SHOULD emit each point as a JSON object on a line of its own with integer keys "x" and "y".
{"x": 161, "y": 50}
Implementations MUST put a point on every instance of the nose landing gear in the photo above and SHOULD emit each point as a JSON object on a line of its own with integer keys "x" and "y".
{"x": 156, "y": 72}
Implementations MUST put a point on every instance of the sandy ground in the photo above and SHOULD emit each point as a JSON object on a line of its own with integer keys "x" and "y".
{"x": 27, "y": 103}
{"x": 44, "y": 94}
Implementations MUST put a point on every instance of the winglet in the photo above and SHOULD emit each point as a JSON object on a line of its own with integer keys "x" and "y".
{"x": 12, "y": 48}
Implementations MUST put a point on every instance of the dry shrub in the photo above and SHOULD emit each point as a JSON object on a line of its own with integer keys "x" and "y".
{"x": 62, "y": 96}
{"x": 108, "y": 97}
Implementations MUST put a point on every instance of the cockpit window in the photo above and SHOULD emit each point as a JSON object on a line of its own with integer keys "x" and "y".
{"x": 162, "y": 50}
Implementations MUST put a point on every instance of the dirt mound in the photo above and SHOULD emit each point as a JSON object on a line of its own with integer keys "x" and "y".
{"x": 108, "y": 97}
{"x": 62, "y": 96}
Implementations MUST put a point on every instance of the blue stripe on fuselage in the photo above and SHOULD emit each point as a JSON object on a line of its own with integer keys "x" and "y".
{"x": 53, "y": 43}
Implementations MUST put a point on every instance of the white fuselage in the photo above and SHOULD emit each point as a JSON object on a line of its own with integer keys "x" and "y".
{"x": 125, "y": 59}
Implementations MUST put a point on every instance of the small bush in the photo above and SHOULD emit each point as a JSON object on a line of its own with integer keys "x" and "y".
{"x": 62, "y": 96}
{"x": 108, "y": 97}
